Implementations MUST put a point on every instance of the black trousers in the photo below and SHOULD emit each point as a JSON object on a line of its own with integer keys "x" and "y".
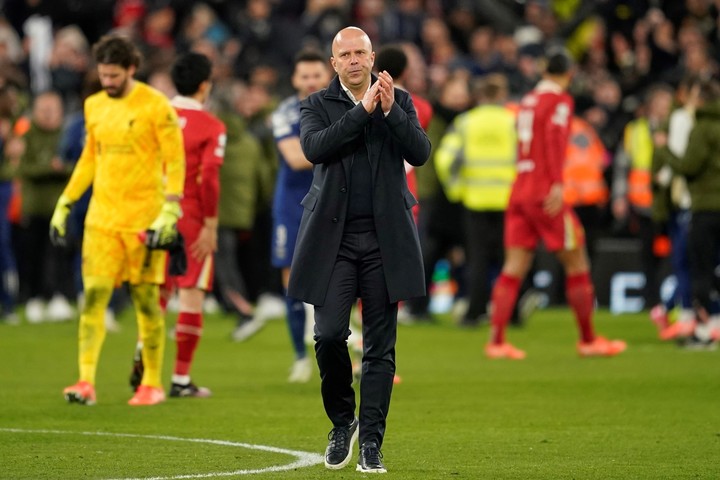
{"x": 357, "y": 273}
{"x": 45, "y": 269}
{"x": 704, "y": 244}
{"x": 642, "y": 227}
{"x": 440, "y": 229}
{"x": 484, "y": 252}
{"x": 228, "y": 277}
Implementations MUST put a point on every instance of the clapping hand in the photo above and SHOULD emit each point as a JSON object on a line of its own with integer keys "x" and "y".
{"x": 387, "y": 91}
{"x": 371, "y": 98}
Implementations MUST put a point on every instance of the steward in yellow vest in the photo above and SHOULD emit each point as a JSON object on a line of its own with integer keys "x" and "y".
{"x": 475, "y": 163}
{"x": 632, "y": 182}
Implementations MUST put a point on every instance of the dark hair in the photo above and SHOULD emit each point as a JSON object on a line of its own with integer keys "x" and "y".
{"x": 116, "y": 50}
{"x": 393, "y": 59}
{"x": 189, "y": 71}
{"x": 309, "y": 55}
{"x": 558, "y": 61}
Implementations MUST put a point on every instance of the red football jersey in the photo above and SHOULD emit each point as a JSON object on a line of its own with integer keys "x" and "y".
{"x": 424, "y": 110}
{"x": 543, "y": 126}
{"x": 204, "y": 139}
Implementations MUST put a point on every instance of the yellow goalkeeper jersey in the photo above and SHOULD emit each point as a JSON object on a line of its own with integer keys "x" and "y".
{"x": 133, "y": 157}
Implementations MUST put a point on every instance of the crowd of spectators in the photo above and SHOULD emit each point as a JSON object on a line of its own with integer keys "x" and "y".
{"x": 625, "y": 49}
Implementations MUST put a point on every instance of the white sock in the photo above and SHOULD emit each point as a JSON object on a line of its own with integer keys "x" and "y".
{"x": 181, "y": 379}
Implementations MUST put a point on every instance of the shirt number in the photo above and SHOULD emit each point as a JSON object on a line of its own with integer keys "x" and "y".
{"x": 525, "y": 129}
{"x": 220, "y": 148}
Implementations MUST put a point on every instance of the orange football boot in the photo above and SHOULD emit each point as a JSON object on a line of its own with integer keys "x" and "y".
{"x": 503, "y": 350}
{"x": 146, "y": 395}
{"x": 82, "y": 393}
{"x": 659, "y": 316}
{"x": 601, "y": 347}
{"x": 677, "y": 330}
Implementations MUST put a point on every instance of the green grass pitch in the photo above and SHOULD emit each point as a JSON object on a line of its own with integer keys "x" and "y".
{"x": 652, "y": 413}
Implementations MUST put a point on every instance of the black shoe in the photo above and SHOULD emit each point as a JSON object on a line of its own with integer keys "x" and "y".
{"x": 468, "y": 322}
{"x": 339, "y": 449}
{"x": 178, "y": 390}
{"x": 370, "y": 460}
{"x": 137, "y": 370}
{"x": 698, "y": 343}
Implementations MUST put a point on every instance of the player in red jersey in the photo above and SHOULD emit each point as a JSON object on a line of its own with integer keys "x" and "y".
{"x": 537, "y": 212}
{"x": 204, "y": 141}
{"x": 394, "y": 59}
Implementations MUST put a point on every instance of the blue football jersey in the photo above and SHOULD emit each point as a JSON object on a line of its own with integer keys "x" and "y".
{"x": 291, "y": 185}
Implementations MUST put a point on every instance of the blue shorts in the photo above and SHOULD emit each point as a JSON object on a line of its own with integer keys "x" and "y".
{"x": 284, "y": 234}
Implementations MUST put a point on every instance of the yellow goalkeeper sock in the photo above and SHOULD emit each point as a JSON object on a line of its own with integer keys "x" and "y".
{"x": 98, "y": 291}
{"x": 151, "y": 325}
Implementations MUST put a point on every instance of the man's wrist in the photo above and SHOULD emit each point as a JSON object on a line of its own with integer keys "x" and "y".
{"x": 211, "y": 223}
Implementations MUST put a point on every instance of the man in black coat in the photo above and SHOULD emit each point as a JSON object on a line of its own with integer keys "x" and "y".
{"x": 357, "y": 238}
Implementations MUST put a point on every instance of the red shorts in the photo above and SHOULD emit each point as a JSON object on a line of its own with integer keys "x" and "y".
{"x": 199, "y": 274}
{"x": 525, "y": 224}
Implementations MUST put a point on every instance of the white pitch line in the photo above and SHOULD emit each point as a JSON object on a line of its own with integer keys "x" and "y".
{"x": 304, "y": 459}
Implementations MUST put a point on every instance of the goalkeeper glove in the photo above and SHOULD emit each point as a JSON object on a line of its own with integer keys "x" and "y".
{"x": 58, "y": 222}
{"x": 163, "y": 232}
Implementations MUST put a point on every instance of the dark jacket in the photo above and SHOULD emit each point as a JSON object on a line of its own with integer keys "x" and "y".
{"x": 239, "y": 175}
{"x": 41, "y": 185}
{"x": 329, "y": 125}
{"x": 701, "y": 163}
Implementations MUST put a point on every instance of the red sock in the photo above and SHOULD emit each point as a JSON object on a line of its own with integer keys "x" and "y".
{"x": 166, "y": 292}
{"x": 580, "y": 294}
{"x": 163, "y": 304}
{"x": 503, "y": 298}
{"x": 187, "y": 335}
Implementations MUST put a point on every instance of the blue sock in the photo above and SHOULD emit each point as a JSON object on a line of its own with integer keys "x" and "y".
{"x": 296, "y": 325}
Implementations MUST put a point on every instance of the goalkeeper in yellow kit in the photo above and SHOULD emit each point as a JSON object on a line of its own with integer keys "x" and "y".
{"x": 134, "y": 160}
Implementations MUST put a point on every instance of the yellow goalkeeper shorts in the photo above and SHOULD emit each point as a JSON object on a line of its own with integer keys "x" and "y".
{"x": 122, "y": 257}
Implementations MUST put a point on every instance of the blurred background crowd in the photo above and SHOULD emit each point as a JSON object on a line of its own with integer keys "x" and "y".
{"x": 632, "y": 55}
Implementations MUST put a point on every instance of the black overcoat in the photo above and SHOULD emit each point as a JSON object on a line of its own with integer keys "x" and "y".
{"x": 329, "y": 125}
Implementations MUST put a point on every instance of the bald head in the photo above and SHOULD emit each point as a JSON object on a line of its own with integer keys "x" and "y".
{"x": 348, "y": 34}
{"x": 353, "y": 59}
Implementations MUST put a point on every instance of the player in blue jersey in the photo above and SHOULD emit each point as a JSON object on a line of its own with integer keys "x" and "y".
{"x": 311, "y": 73}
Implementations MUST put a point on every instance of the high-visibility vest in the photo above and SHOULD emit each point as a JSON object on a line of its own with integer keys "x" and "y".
{"x": 585, "y": 159}
{"x": 475, "y": 161}
{"x": 638, "y": 145}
